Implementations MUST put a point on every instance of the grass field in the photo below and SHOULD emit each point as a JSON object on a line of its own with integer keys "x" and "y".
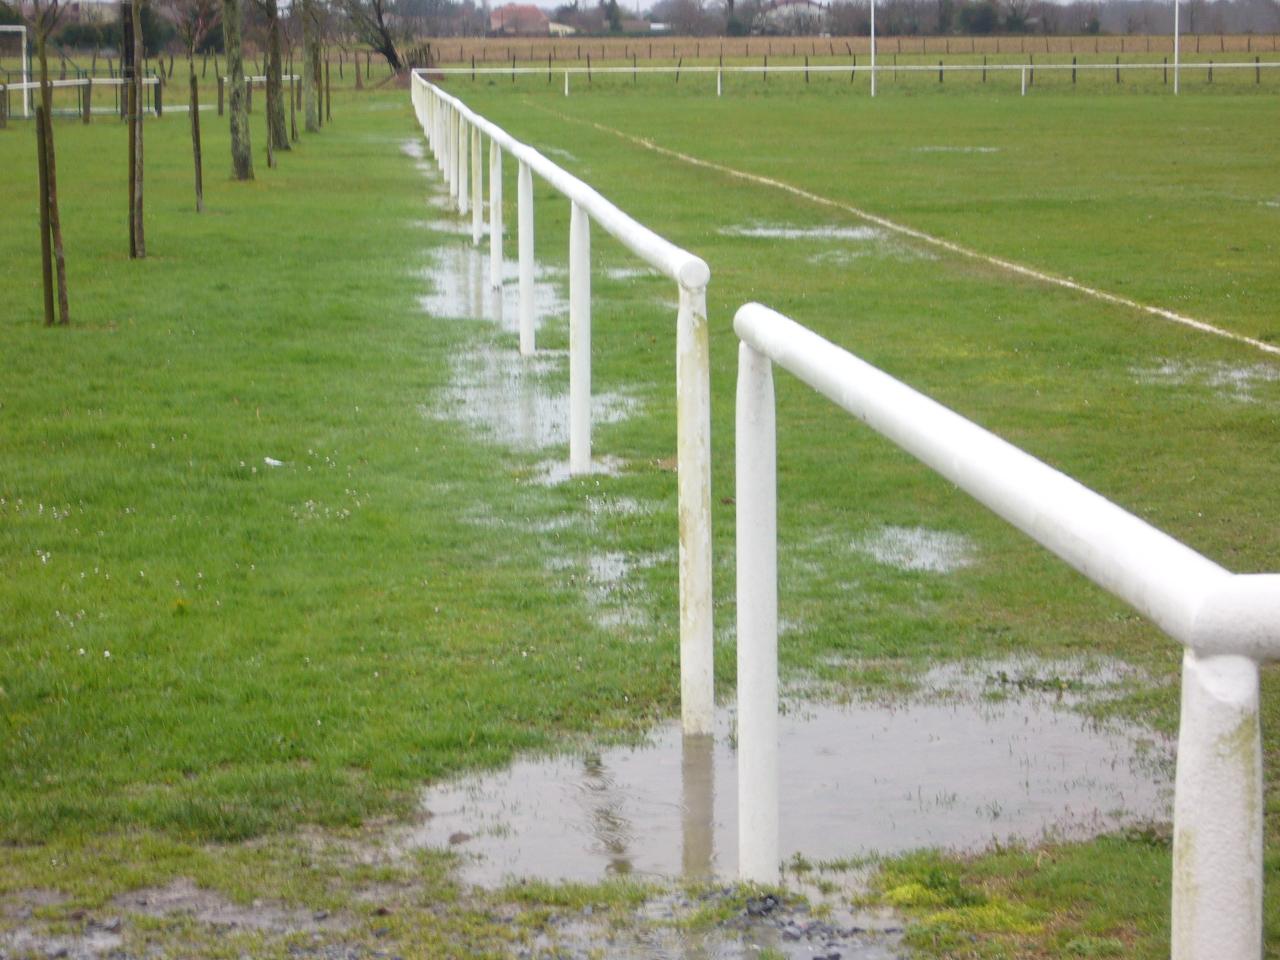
{"x": 218, "y": 668}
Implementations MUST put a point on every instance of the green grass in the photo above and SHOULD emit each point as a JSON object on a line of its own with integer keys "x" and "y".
{"x": 306, "y": 645}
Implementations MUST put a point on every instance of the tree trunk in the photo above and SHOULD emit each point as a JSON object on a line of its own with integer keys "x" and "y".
{"x": 241, "y": 150}
{"x": 195, "y": 132}
{"x": 51, "y": 179}
{"x": 275, "y": 80}
{"x": 138, "y": 244}
{"x": 310, "y": 63}
{"x": 46, "y": 248}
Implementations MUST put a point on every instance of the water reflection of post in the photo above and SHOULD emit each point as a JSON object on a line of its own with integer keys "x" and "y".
{"x": 698, "y": 780}
{"x": 528, "y": 394}
{"x": 476, "y": 286}
{"x": 608, "y": 822}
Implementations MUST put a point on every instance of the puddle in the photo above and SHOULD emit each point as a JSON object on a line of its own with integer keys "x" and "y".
{"x": 460, "y": 289}
{"x": 1228, "y": 381}
{"x": 855, "y": 243}
{"x": 766, "y": 928}
{"x": 918, "y": 549}
{"x": 103, "y": 935}
{"x": 985, "y": 754}
{"x": 183, "y": 898}
{"x": 629, "y": 273}
{"x": 508, "y": 399}
{"x": 413, "y": 148}
{"x": 612, "y": 587}
{"x": 778, "y": 232}
{"x": 452, "y": 228}
{"x": 551, "y": 473}
{"x": 557, "y": 152}
{"x": 957, "y": 150}
{"x": 844, "y": 256}
{"x": 92, "y": 942}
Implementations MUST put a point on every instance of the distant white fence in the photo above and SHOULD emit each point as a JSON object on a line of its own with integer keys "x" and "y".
{"x": 455, "y": 133}
{"x": 1228, "y": 623}
{"x": 1025, "y": 70}
{"x": 21, "y": 31}
{"x": 78, "y": 83}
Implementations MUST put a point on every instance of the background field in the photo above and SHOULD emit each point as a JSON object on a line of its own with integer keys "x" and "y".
{"x": 306, "y": 645}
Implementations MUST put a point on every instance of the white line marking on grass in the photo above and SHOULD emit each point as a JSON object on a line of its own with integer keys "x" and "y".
{"x": 929, "y": 238}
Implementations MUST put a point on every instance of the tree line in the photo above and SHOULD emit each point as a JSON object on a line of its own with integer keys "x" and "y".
{"x": 192, "y": 24}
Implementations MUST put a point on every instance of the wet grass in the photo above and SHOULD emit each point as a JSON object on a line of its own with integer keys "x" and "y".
{"x": 307, "y": 644}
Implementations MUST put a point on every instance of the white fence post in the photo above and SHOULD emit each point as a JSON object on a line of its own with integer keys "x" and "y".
{"x": 464, "y": 141}
{"x": 1217, "y": 814}
{"x": 477, "y": 187}
{"x": 579, "y": 341}
{"x": 495, "y": 215}
{"x": 693, "y": 476}
{"x": 524, "y": 226}
{"x": 757, "y": 557}
{"x": 455, "y": 124}
{"x": 1024, "y": 81}
{"x": 566, "y": 83}
{"x": 1177, "y": 46}
{"x": 719, "y": 82}
{"x": 873, "y": 48}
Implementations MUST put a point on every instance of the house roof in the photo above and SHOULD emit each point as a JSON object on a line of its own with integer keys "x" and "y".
{"x": 518, "y": 18}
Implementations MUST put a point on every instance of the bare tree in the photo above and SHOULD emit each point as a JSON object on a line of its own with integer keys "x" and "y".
{"x": 43, "y": 18}
{"x": 194, "y": 20}
{"x": 241, "y": 149}
{"x": 131, "y": 66}
{"x": 311, "y": 28}
{"x": 274, "y": 69}
{"x": 371, "y": 22}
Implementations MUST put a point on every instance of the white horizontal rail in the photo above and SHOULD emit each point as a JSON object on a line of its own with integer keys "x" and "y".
{"x": 880, "y": 68}
{"x": 680, "y": 265}
{"x": 79, "y": 82}
{"x": 454, "y": 133}
{"x": 1227, "y": 622}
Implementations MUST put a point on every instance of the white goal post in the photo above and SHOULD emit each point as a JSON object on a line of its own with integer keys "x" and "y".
{"x": 26, "y": 65}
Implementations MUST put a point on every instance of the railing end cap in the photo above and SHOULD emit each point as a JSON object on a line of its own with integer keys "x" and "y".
{"x": 694, "y": 274}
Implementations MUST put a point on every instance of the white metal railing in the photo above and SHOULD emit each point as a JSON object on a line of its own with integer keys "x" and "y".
{"x": 21, "y": 31}
{"x": 873, "y": 70}
{"x": 1228, "y": 623}
{"x": 75, "y": 82}
{"x": 454, "y": 133}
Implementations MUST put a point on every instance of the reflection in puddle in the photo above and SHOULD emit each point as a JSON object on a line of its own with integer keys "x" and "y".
{"x": 460, "y": 289}
{"x": 952, "y": 768}
{"x": 1228, "y": 381}
{"x": 918, "y": 548}
{"x": 507, "y": 398}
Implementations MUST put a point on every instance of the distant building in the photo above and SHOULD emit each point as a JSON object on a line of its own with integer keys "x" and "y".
{"x": 519, "y": 19}
{"x": 561, "y": 29}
